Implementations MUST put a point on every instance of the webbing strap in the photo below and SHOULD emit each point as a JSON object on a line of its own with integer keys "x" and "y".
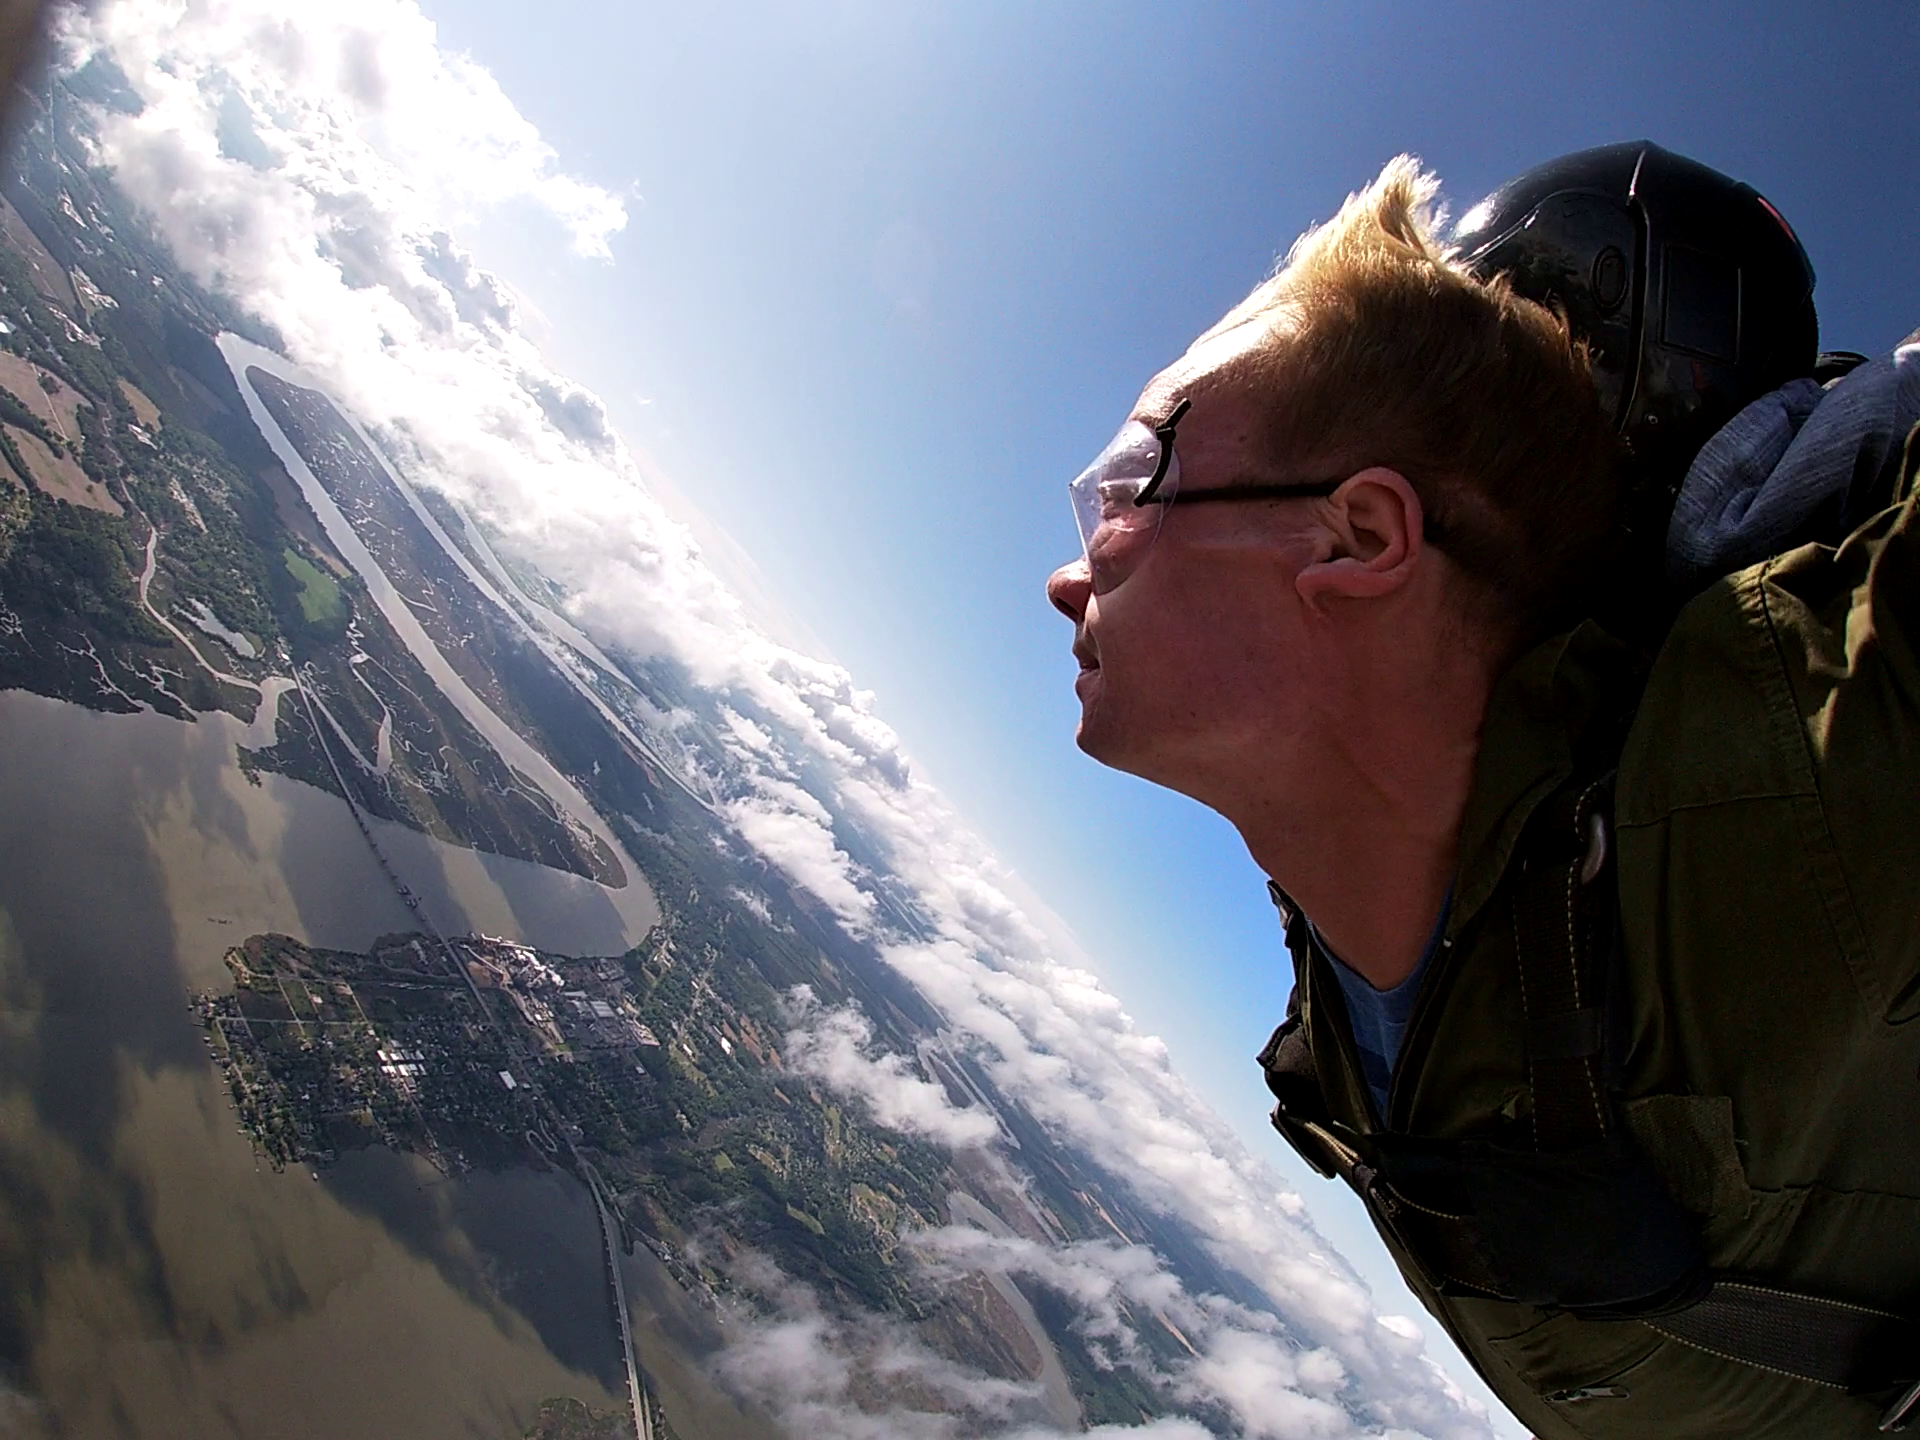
{"x": 1559, "y": 911}
{"x": 1827, "y": 1342}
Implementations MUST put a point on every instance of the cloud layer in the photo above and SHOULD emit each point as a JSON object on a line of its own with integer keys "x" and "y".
{"x": 835, "y": 1047}
{"x": 314, "y": 165}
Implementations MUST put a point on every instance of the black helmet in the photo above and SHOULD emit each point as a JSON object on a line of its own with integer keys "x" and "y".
{"x": 1692, "y": 291}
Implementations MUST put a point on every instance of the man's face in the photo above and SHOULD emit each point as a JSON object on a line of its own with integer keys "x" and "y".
{"x": 1185, "y": 662}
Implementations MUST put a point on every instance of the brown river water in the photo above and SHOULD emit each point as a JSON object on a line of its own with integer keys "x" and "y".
{"x": 160, "y": 1279}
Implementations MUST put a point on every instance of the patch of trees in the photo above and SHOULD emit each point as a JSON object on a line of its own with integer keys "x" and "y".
{"x": 69, "y": 563}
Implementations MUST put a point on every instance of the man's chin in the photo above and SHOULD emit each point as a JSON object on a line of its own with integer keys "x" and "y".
{"x": 1094, "y": 736}
{"x": 1104, "y": 736}
{"x": 1104, "y": 733}
{"x": 1084, "y": 741}
{"x": 1099, "y": 743}
{"x": 1087, "y": 735}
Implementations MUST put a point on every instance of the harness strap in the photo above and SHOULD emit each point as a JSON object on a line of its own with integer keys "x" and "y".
{"x": 1827, "y": 1342}
{"x": 1563, "y": 913}
{"x": 1560, "y": 922}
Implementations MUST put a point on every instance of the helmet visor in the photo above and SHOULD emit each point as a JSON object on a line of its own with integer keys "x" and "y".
{"x": 1118, "y": 502}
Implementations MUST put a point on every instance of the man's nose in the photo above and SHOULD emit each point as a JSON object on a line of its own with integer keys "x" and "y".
{"x": 1069, "y": 588}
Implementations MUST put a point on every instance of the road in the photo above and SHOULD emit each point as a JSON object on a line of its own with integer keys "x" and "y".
{"x": 637, "y": 1396}
{"x": 269, "y": 692}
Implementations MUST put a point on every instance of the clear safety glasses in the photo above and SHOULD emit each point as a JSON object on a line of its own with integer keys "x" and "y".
{"x": 1121, "y": 499}
{"x": 1118, "y": 500}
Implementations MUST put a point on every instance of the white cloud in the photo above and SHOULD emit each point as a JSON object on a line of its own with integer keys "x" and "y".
{"x": 794, "y": 831}
{"x": 1239, "y": 1359}
{"x": 315, "y": 96}
{"x": 834, "y": 1047}
{"x": 313, "y": 163}
{"x": 861, "y": 1377}
{"x": 857, "y": 1377}
{"x": 755, "y": 905}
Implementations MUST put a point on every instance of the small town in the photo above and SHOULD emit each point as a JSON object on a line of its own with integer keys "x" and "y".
{"x": 421, "y": 1044}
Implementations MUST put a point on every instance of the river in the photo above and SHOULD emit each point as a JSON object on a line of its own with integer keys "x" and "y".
{"x": 163, "y": 1282}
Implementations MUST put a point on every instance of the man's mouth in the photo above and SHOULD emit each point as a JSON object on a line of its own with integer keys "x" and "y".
{"x": 1089, "y": 657}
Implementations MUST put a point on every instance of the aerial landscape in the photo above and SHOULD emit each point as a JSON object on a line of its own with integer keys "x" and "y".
{"x": 460, "y": 978}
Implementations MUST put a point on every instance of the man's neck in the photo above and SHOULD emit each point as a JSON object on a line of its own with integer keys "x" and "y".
{"x": 1369, "y": 847}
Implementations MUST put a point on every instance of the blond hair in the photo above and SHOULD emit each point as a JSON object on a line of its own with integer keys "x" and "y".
{"x": 1383, "y": 348}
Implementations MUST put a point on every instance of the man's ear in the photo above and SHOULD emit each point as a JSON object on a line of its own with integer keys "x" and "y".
{"x": 1374, "y": 530}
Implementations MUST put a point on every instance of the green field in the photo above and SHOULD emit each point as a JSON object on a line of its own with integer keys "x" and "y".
{"x": 320, "y": 599}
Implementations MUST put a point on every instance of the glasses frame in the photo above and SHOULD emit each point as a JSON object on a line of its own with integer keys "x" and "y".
{"x": 1150, "y": 492}
{"x": 1163, "y": 488}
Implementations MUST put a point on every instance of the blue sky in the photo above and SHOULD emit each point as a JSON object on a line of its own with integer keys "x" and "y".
{"x": 894, "y": 272}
